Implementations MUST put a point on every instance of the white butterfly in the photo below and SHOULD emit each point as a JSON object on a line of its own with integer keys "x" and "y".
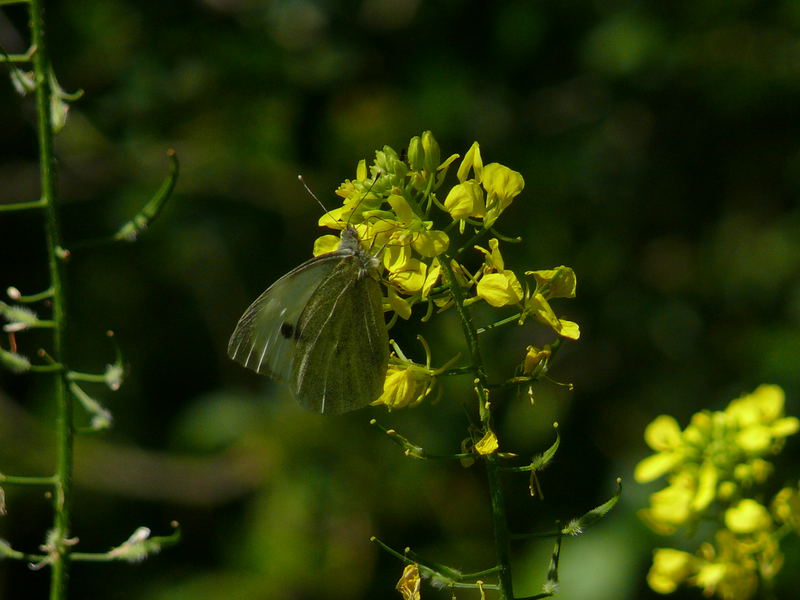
{"x": 320, "y": 329}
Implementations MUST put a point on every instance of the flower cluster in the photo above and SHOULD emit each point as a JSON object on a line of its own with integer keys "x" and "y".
{"x": 713, "y": 467}
{"x": 394, "y": 205}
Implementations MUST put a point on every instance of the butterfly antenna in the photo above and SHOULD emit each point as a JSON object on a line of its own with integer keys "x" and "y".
{"x": 310, "y": 193}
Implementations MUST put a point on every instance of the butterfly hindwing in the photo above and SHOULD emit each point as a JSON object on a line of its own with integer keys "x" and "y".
{"x": 343, "y": 336}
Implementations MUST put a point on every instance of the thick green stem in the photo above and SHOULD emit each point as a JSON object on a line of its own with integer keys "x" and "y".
{"x": 59, "y": 553}
{"x": 496, "y": 494}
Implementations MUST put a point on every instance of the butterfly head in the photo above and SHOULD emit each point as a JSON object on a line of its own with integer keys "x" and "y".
{"x": 351, "y": 243}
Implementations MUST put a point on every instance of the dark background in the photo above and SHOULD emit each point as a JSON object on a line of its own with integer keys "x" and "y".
{"x": 660, "y": 146}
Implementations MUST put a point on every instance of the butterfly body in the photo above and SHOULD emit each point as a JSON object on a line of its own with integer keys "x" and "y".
{"x": 320, "y": 329}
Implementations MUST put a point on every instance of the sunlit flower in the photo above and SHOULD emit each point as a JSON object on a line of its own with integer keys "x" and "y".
{"x": 465, "y": 200}
{"x": 534, "y": 357}
{"x": 487, "y": 444}
{"x": 786, "y": 507}
{"x": 747, "y": 516}
{"x": 759, "y": 418}
{"x": 502, "y": 185}
{"x": 500, "y": 289}
{"x": 670, "y": 568}
{"x": 406, "y": 385}
{"x": 409, "y": 583}
{"x": 472, "y": 161}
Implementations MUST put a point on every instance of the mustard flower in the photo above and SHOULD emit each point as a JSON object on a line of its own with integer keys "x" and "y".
{"x": 533, "y": 358}
{"x": 487, "y": 444}
{"x": 502, "y": 185}
{"x": 464, "y": 201}
{"x": 670, "y": 569}
{"x": 786, "y": 507}
{"x": 406, "y": 386}
{"x": 759, "y": 418}
{"x": 408, "y": 383}
{"x": 472, "y": 161}
{"x": 747, "y": 516}
{"x": 409, "y": 583}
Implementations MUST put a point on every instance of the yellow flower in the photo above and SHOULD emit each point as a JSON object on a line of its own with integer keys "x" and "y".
{"x": 534, "y": 357}
{"x": 759, "y": 418}
{"x": 472, "y": 160}
{"x": 748, "y": 516}
{"x": 671, "y": 507}
{"x": 325, "y": 244}
{"x": 555, "y": 283}
{"x": 408, "y": 383}
{"x": 670, "y": 568}
{"x": 730, "y": 570}
{"x": 401, "y": 306}
{"x": 663, "y": 435}
{"x": 786, "y": 507}
{"x": 465, "y": 200}
{"x": 487, "y": 444}
{"x": 707, "y": 478}
{"x": 405, "y": 386}
{"x": 431, "y": 278}
{"x": 409, "y": 583}
{"x": 409, "y": 276}
{"x": 502, "y": 185}
{"x": 537, "y": 305}
{"x": 500, "y": 289}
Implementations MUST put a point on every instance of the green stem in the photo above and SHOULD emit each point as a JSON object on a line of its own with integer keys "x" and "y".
{"x": 496, "y": 494}
{"x": 62, "y": 495}
{"x": 25, "y": 480}
{"x": 18, "y": 206}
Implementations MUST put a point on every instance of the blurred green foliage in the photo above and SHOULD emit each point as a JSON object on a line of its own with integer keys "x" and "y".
{"x": 660, "y": 143}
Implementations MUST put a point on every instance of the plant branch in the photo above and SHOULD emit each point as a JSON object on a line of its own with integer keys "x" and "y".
{"x": 497, "y": 496}
{"x": 62, "y": 495}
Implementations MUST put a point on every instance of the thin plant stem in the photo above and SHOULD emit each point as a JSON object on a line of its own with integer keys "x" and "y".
{"x": 62, "y": 496}
{"x": 496, "y": 494}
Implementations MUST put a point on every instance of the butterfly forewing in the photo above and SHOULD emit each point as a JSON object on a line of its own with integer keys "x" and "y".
{"x": 265, "y": 337}
{"x": 342, "y": 350}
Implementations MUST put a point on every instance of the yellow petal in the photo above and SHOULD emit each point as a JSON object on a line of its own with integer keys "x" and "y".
{"x": 410, "y": 277}
{"x": 747, "y": 516}
{"x": 555, "y": 283}
{"x": 656, "y": 465}
{"x": 670, "y": 568}
{"x": 409, "y": 583}
{"x": 399, "y": 305}
{"x": 784, "y": 427}
{"x": 325, "y": 244}
{"x": 755, "y": 439}
{"x": 500, "y": 289}
{"x": 663, "y": 433}
{"x": 568, "y": 329}
{"x": 487, "y": 444}
{"x": 706, "y": 486}
{"x": 472, "y": 160}
{"x": 431, "y": 243}
{"x": 465, "y": 200}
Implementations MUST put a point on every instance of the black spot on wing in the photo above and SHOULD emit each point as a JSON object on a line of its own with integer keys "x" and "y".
{"x": 289, "y": 331}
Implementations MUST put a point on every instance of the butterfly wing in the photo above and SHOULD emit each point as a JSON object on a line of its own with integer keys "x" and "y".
{"x": 320, "y": 328}
{"x": 265, "y": 337}
{"x": 342, "y": 349}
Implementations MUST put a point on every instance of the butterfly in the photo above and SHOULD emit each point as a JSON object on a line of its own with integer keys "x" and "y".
{"x": 320, "y": 329}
